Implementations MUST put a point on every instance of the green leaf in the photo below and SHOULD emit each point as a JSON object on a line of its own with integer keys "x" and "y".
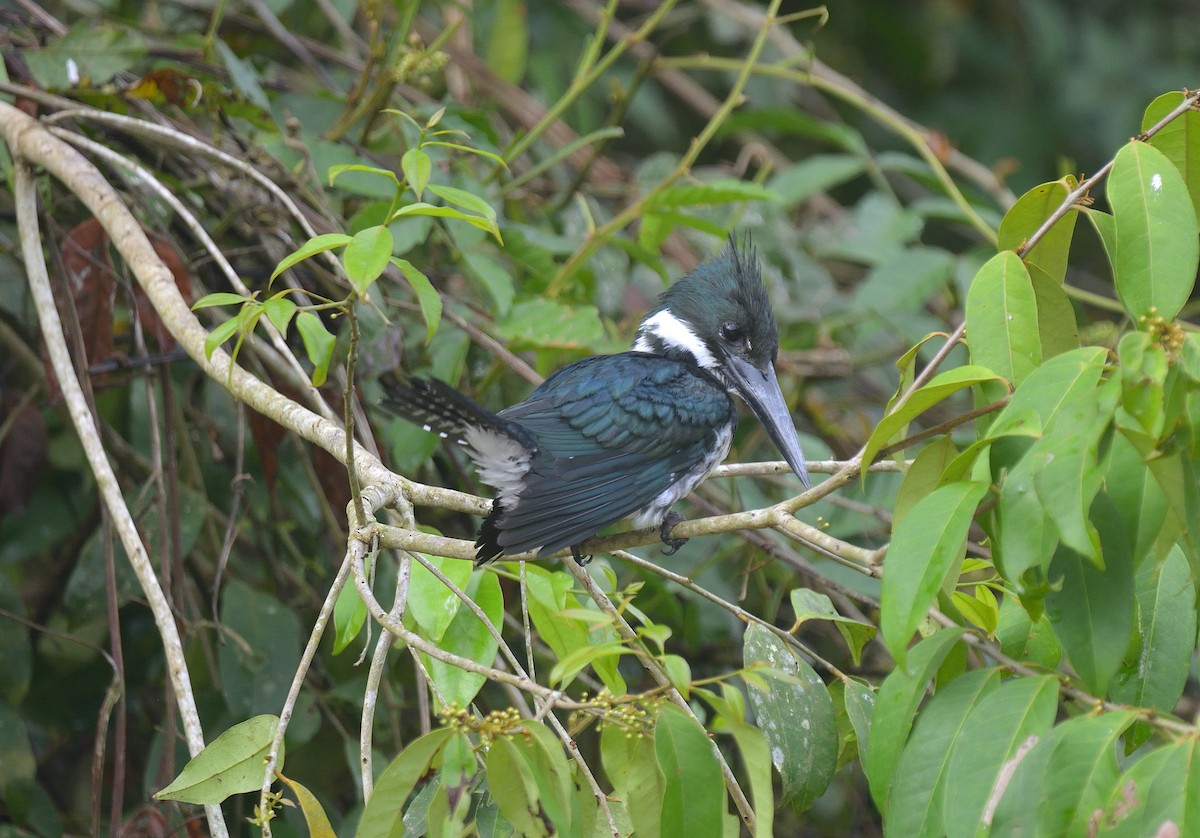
{"x": 244, "y": 76}
{"x": 1137, "y": 496}
{"x": 658, "y": 225}
{"x": 693, "y": 801}
{"x": 495, "y": 158}
{"x": 1024, "y": 639}
{"x": 923, "y": 476}
{"x": 678, "y": 671}
{"x": 218, "y": 336}
{"x": 315, "y": 245}
{"x": 793, "y": 708}
{"x": 427, "y": 296}
{"x": 1166, "y": 631}
{"x": 1144, "y": 371}
{"x": 1178, "y": 481}
{"x": 1036, "y": 403}
{"x": 349, "y": 616}
{"x": 1157, "y": 245}
{"x": 816, "y": 173}
{"x": 1000, "y": 724}
{"x": 810, "y": 605}
{"x": 905, "y": 282}
{"x": 630, "y": 763}
{"x": 548, "y": 767}
{"x": 1158, "y": 795}
{"x": 279, "y": 311}
{"x": 940, "y": 388}
{"x": 1080, "y": 772}
{"x": 925, "y": 547}
{"x": 314, "y": 813}
{"x": 896, "y": 704}
{"x": 1002, "y": 318}
{"x": 1058, "y": 330}
{"x": 18, "y": 769}
{"x": 1026, "y": 216}
{"x": 1106, "y": 229}
{"x": 230, "y": 764}
{"x": 719, "y": 191}
{"x": 469, "y": 638}
{"x": 257, "y": 670}
{"x": 1092, "y": 611}
{"x": 573, "y": 663}
{"x": 1068, "y": 469}
{"x": 466, "y": 200}
{"x": 494, "y": 278}
{"x": 859, "y": 699}
{"x": 1026, "y": 807}
{"x": 457, "y": 764}
{"x": 756, "y": 755}
{"x": 318, "y": 344}
{"x": 979, "y": 609}
{"x": 100, "y": 50}
{"x": 366, "y": 256}
{"x": 417, "y": 168}
{"x": 1025, "y": 536}
{"x": 549, "y": 597}
{"x": 17, "y": 652}
{"x": 423, "y": 209}
{"x": 548, "y": 324}
{"x": 335, "y": 171}
{"x": 219, "y": 299}
{"x": 513, "y": 786}
{"x": 921, "y": 774}
{"x": 1178, "y": 140}
{"x": 383, "y": 816}
{"x": 431, "y": 603}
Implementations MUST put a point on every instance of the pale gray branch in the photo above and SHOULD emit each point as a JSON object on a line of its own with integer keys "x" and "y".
{"x": 18, "y": 136}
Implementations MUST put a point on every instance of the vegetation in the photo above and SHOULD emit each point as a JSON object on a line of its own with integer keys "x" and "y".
{"x": 982, "y": 619}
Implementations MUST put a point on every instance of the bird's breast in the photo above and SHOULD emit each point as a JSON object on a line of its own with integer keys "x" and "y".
{"x": 656, "y": 510}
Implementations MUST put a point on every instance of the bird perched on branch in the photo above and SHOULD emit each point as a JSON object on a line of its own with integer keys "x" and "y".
{"x": 626, "y": 434}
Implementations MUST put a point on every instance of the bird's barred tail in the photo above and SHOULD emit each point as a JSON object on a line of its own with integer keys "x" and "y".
{"x": 437, "y": 407}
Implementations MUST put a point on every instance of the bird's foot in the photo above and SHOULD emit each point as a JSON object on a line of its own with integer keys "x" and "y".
{"x": 579, "y": 557}
{"x": 672, "y": 545}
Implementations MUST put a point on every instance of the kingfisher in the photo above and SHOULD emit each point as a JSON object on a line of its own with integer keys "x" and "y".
{"x": 628, "y": 434}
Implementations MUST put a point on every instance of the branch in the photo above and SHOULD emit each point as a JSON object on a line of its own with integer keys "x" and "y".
{"x": 21, "y": 141}
{"x": 298, "y": 379}
{"x": 356, "y": 554}
{"x": 656, "y": 671}
{"x": 1189, "y": 102}
{"x": 34, "y": 143}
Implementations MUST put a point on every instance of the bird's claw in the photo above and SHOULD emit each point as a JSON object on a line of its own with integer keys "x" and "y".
{"x": 579, "y": 557}
{"x": 672, "y": 545}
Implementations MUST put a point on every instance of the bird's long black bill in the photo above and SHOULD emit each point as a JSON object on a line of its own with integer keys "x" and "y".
{"x": 761, "y": 391}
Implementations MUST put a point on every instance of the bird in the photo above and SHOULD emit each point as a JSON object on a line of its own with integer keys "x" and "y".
{"x": 632, "y": 433}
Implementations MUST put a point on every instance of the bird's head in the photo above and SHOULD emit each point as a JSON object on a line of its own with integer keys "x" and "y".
{"x": 719, "y": 318}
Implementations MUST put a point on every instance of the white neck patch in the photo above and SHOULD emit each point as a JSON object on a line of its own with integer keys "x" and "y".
{"x": 675, "y": 334}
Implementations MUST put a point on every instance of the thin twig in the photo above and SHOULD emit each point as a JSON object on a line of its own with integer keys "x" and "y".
{"x": 357, "y": 553}
{"x": 289, "y": 704}
{"x": 654, "y": 668}
{"x": 366, "y": 730}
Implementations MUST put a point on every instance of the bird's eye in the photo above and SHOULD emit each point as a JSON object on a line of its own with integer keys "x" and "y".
{"x": 730, "y": 332}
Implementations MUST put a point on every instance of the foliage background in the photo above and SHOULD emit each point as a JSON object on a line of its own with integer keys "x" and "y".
{"x": 864, "y": 252}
